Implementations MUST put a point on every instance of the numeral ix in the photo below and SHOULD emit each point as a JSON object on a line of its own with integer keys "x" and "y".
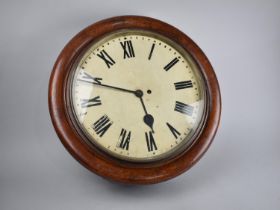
{"x": 91, "y": 102}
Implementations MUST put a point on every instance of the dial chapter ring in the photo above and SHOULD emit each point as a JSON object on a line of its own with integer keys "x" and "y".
{"x": 98, "y": 162}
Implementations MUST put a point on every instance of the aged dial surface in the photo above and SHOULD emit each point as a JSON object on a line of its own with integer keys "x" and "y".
{"x": 137, "y": 96}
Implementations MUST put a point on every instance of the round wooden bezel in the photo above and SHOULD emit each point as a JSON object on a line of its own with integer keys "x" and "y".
{"x": 100, "y": 163}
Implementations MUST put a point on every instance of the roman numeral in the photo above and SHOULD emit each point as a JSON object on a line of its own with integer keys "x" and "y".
{"x": 171, "y": 64}
{"x": 128, "y": 51}
{"x": 150, "y": 141}
{"x": 151, "y": 52}
{"x": 183, "y": 108}
{"x": 183, "y": 84}
{"x": 85, "y": 77}
{"x": 106, "y": 58}
{"x": 91, "y": 102}
{"x": 102, "y": 125}
{"x": 173, "y": 131}
{"x": 124, "y": 139}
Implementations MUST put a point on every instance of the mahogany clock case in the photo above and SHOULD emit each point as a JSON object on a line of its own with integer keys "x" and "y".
{"x": 101, "y": 163}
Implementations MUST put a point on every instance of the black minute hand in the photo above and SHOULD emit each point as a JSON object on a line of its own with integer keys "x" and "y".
{"x": 148, "y": 118}
{"x": 97, "y": 82}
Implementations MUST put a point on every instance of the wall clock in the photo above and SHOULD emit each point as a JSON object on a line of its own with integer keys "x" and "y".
{"x": 134, "y": 100}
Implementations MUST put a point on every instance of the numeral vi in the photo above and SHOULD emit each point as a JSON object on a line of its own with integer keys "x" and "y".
{"x": 151, "y": 144}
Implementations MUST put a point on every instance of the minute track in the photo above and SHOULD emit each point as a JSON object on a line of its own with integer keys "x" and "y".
{"x": 157, "y": 91}
{"x": 94, "y": 134}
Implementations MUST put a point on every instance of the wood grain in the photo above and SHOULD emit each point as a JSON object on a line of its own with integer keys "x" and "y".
{"x": 96, "y": 160}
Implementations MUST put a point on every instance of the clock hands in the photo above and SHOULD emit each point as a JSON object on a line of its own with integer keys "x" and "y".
{"x": 148, "y": 118}
{"x": 97, "y": 82}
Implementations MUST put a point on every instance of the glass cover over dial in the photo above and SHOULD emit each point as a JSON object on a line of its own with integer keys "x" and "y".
{"x": 138, "y": 96}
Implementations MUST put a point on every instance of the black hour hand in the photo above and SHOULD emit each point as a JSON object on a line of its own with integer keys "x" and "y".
{"x": 149, "y": 120}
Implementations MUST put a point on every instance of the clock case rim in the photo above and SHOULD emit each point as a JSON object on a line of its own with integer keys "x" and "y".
{"x": 94, "y": 159}
{"x": 161, "y": 159}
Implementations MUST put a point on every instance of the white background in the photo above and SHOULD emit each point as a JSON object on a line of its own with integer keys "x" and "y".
{"x": 241, "y": 169}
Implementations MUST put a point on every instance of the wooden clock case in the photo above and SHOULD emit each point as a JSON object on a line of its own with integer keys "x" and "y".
{"x": 100, "y": 162}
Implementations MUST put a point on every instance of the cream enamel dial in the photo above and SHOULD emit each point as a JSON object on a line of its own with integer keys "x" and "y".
{"x": 137, "y": 96}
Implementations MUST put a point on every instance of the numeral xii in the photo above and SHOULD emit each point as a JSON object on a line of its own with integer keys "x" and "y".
{"x": 128, "y": 51}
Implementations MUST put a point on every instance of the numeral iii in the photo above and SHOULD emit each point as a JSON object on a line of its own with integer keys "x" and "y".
{"x": 183, "y": 84}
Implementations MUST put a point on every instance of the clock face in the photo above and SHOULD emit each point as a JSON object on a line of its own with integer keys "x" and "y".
{"x": 138, "y": 96}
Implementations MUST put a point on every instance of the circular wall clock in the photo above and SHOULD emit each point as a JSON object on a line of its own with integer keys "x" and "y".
{"x": 134, "y": 100}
